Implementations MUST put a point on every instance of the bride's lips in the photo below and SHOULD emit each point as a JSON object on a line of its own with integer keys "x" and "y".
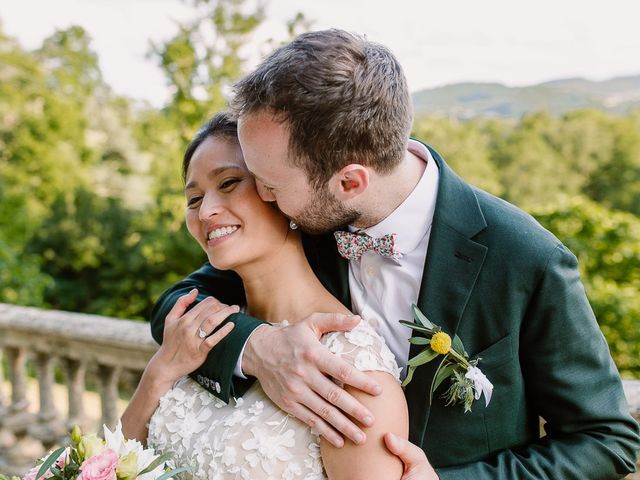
{"x": 219, "y": 233}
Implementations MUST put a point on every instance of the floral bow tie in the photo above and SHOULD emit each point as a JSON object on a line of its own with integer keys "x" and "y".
{"x": 352, "y": 245}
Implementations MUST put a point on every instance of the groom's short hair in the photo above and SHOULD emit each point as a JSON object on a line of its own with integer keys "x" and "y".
{"x": 343, "y": 99}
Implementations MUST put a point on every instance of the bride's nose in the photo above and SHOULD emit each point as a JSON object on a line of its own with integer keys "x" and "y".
{"x": 212, "y": 204}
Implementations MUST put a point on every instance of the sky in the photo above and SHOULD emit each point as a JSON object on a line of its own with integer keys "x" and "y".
{"x": 506, "y": 41}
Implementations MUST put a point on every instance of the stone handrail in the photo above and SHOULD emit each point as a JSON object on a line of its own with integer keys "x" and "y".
{"x": 75, "y": 342}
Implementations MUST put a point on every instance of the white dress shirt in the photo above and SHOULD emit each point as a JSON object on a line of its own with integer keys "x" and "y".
{"x": 383, "y": 289}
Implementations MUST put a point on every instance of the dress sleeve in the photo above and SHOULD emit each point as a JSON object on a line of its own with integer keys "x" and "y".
{"x": 364, "y": 348}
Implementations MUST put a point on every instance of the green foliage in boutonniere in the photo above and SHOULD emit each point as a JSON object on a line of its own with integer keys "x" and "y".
{"x": 467, "y": 382}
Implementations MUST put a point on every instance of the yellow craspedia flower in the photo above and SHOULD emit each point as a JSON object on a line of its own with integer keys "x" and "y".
{"x": 441, "y": 343}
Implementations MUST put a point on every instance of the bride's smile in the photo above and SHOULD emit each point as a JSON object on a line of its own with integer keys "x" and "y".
{"x": 225, "y": 214}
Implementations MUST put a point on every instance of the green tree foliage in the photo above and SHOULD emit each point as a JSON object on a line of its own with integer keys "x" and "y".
{"x": 466, "y": 147}
{"x": 91, "y": 202}
{"x": 205, "y": 57}
{"x": 607, "y": 244}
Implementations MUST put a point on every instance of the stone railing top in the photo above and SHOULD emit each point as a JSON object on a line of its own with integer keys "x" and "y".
{"x": 111, "y": 341}
{"x": 108, "y": 341}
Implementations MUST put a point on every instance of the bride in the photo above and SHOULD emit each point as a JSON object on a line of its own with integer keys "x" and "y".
{"x": 250, "y": 437}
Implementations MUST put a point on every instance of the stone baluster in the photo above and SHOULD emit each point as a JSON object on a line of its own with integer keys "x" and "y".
{"x": 4, "y": 401}
{"x": 44, "y": 366}
{"x": 75, "y": 375}
{"x": 18, "y": 420}
{"x": 50, "y": 428}
{"x": 17, "y": 359}
{"x": 108, "y": 376}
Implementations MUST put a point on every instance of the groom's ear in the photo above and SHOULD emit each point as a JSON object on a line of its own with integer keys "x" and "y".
{"x": 349, "y": 182}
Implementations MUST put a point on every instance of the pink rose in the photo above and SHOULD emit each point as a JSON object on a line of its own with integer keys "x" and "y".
{"x": 62, "y": 459}
{"x": 100, "y": 467}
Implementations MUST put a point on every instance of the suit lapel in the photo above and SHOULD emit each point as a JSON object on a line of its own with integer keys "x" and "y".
{"x": 452, "y": 266}
{"x": 329, "y": 266}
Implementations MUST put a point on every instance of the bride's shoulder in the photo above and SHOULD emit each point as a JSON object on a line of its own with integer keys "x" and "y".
{"x": 364, "y": 348}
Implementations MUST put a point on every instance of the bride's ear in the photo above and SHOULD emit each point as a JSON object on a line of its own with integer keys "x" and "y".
{"x": 349, "y": 182}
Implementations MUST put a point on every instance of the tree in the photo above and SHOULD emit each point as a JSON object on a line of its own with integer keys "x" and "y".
{"x": 607, "y": 245}
{"x": 616, "y": 181}
{"x": 465, "y": 146}
{"x": 204, "y": 57}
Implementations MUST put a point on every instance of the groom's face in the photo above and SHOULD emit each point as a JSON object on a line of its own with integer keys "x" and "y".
{"x": 265, "y": 146}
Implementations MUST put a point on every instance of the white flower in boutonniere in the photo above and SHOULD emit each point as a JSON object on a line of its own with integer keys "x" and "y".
{"x": 467, "y": 382}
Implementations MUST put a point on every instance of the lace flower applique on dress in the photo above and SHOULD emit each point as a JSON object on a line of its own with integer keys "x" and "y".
{"x": 251, "y": 438}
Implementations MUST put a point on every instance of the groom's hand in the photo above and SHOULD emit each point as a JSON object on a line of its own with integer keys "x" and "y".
{"x": 416, "y": 465}
{"x": 295, "y": 371}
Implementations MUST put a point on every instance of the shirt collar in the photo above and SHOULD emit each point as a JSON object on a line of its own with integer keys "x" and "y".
{"x": 412, "y": 219}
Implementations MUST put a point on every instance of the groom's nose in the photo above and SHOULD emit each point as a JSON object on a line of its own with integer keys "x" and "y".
{"x": 265, "y": 194}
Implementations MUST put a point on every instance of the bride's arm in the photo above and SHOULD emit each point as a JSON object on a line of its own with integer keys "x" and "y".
{"x": 372, "y": 460}
{"x": 182, "y": 351}
{"x": 144, "y": 402}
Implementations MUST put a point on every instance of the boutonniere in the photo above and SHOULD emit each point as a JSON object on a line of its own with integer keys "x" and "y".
{"x": 466, "y": 381}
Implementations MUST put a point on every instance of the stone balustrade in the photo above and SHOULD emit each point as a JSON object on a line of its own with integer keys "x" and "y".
{"x": 112, "y": 348}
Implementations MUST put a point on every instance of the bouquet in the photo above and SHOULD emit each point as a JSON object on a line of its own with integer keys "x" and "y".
{"x": 467, "y": 382}
{"x": 92, "y": 458}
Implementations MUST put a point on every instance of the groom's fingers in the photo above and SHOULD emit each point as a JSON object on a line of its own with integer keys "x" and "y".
{"x": 319, "y": 426}
{"x": 337, "y": 368}
{"x": 416, "y": 464}
{"x": 333, "y": 404}
{"x": 332, "y": 322}
{"x": 346, "y": 374}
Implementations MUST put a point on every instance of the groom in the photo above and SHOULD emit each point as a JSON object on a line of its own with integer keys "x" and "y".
{"x": 324, "y": 126}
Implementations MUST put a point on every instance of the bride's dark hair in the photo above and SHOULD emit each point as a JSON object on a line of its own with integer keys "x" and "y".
{"x": 220, "y": 125}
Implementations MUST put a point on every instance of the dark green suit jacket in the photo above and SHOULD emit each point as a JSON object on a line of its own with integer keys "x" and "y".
{"x": 512, "y": 292}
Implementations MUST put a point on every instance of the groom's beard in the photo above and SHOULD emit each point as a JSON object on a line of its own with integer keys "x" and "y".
{"x": 324, "y": 214}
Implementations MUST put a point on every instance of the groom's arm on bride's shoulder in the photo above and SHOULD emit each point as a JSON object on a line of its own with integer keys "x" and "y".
{"x": 572, "y": 383}
{"x": 216, "y": 374}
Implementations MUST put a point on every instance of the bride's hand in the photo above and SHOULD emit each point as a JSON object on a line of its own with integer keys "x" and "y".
{"x": 187, "y": 337}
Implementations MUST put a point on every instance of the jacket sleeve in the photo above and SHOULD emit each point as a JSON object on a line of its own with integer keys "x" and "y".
{"x": 216, "y": 374}
{"x": 574, "y": 387}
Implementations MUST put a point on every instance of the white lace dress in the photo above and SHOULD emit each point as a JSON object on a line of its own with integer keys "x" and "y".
{"x": 251, "y": 438}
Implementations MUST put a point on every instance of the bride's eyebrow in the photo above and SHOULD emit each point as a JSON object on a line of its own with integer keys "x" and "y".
{"x": 211, "y": 175}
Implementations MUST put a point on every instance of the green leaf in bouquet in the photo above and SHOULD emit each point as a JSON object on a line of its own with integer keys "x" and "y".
{"x": 420, "y": 318}
{"x": 415, "y": 326}
{"x": 423, "y": 357}
{"x": 410, "y": 371}
{"x": 443, "y": 372}
{"x": 75, "y": 456}
{"x": 72, "y": 470}
{"x": 419, "y": 341}
{"x": 172, "y": 473}
{"x": 49, "y": 461}
{"x": 156, "y": 463}
{"x": 458, "y": 346}
{"x": 57, "y": 473}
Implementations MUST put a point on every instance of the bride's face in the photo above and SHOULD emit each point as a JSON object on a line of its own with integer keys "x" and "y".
{"x": 225, "y": 214}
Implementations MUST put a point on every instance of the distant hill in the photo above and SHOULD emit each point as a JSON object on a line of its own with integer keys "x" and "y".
{"x": 468, "y": 100}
